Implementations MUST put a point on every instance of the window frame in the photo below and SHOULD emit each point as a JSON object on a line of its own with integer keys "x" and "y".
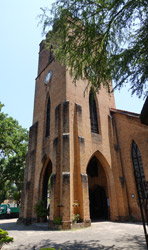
{"x": 93, "y": 114}
{"x": 47, "y": 131}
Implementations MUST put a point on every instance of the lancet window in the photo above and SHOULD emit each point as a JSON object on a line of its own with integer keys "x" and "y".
{"x": 93, "y": 114}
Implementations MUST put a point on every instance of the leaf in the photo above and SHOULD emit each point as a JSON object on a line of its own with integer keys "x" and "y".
{"x": 101, "y": 41}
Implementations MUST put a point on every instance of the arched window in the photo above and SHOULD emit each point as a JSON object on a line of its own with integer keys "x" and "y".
{"x": 51, "y": 57}
{"x": 48, "y": 118}
{"x": 138, "y": 171}
{"x": 93, "y": 114}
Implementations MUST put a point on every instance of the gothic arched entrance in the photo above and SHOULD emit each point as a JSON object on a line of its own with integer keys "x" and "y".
{"x": 98, "y": 192}
{"x": 45, "y": 183}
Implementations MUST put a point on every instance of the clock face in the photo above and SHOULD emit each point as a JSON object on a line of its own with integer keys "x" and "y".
{"x": 48, "y": 77}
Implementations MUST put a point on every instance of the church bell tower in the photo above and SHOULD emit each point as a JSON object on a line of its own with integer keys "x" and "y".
{"x": 69, "y": 154}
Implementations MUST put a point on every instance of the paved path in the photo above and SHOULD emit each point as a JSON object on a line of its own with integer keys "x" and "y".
{"x": 101, "y": 235}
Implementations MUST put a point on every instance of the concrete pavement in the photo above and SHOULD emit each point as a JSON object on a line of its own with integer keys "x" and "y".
{"x": 101, "y": 235}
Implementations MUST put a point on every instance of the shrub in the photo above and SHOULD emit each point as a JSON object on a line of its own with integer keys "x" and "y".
{"x": 76, "y": 218}
{"x": 4, "y": 238}
{"x": 41, "y": 209}
{"x": 57, "y": 221}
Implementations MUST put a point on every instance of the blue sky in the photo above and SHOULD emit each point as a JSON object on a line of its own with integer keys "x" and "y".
{"x": 19, "y": 47}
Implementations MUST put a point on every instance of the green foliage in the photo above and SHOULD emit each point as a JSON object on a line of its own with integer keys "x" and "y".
{"x": 57, "y": 221}
{"x": 4, "y": 238}
{"x": 76, "y": 218}
{"x": 41, "y": 209}
{"x": 16, "y": 196}
{"x": 13, "y": 149}
{"x": 101, "y": 40}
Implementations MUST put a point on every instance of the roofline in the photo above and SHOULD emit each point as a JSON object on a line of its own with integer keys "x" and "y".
{"x": 124, "y": 112}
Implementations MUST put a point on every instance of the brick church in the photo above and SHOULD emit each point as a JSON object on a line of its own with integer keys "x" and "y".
{"x": 86, "y": 147}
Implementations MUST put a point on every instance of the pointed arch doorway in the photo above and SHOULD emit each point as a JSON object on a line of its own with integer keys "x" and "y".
{"x": 98, "y": 191}
{"x": 45, "y": 183}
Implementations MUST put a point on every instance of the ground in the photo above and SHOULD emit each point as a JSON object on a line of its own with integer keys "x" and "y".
{"x": 103, "y": 235}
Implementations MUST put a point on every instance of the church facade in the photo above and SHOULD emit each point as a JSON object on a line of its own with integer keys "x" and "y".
{"x": 84, "y": 149}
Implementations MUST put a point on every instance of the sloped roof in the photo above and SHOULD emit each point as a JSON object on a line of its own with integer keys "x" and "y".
{"x": 124, "y": 112}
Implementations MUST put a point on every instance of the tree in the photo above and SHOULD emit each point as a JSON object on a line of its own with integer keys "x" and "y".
{"x": 101, "y": 40}
{"x": 13, "y": 149}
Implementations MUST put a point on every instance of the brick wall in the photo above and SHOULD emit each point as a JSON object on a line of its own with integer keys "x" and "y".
{"x": 71, "y": 145}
